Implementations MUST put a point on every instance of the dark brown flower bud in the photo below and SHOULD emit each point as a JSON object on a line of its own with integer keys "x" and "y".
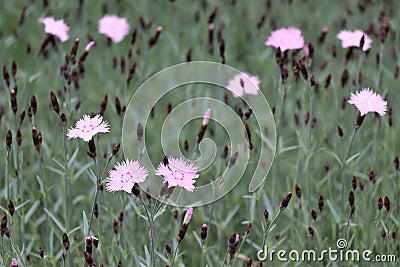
{"x": 8, "y": 140}
{"x": 266, "y": 215}
{"x": 136, "y": 190}
{"x": 92, "y": 149}
{"x": 41, "y": 252}
{"x": 168, "y": 249}
{"x": 284, "y": 74}
{"x": 372, "y": 176}
{"x": 386, "y": 203}
{"x": 203, "y": 233}
{"x": 297, "y": 190}
{"x": 361, "y": 185}
{"x": 213, "y": 14}
{"x": 34, "y": 104}
{"x": 121, "y": 217}
{"x": 131, "y": 73}
{"x": 261, "y": 21}
{"x": 224, "y": 152}
{"x": 189, "y": 54}
{"x": 115, "y": 149}
{"x": 186, "y": 145}
{"x": 3, "y": 225}
{"x": 54, "y": 102}
{"x": 88, "y": 258}
{"x": 307, "y": 118}
{"x": 396, "y": 163}
{"x": 95, "y": 242}
{"x": 6, "y": 76}
{"x": 88, "y": 245}
{"x": 314, "y": 214}
{"x": 74, "y": 49}
{"x": 103, "y": 105}
{"x": 13, "y": 99}
{"x": 326, "y": 166}
{"x": 232, "y": 160}
{"x": 222, "y": 50}
{"x": 248, "y": 228}
{"x": 345, "y": 77}
{"x": 115, "y": 226}
{"x": 11, "y": 208}
{"x": 351, "y": 198}
{"x": 232, "y": 244}
{"x": 285, "y": 201}
{"x": 249, "y": 263}
{"x": 139, "y": 132}
{"x": 118, "y": 106}
{"x": 169, "y": 107}
{"x": 303, "y": 69}
{"x": 380, "y": 203}
{"x": 383, "y": 233}
{"x": 322, "y": 35}
{"x": 394, "y": 235}
{"x": 35, "y": 139}
{"x": 312, "y": 80}
{"x": 65, "y": 241}
{"x": 14, "y": 69}
{"x": 154, "y": 38}
{"x": 354, "y": 182}
{"x": 248, "y": 113}
{"x": 321, "y": 203}
{"x": 340, "y": 131}
{"x": 311, "y": 231}
{"x": 328, "y": 81}
{"x": 96, "y": 211}
{"x": 359, "y": 121}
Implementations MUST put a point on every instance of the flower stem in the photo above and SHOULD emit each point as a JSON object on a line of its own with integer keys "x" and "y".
{"x": 266, "y": 232}
{"x": 151, "y": 232}
{"x": 344, "y": 163}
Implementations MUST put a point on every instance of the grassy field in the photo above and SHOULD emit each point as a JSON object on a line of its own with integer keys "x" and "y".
{"x": 345, "y": 183}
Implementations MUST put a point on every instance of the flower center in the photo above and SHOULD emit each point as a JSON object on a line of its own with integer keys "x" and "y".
{"x": 126, "y": 177}
{"x": 87, "y": 128}
{"x": 179, "y": 175}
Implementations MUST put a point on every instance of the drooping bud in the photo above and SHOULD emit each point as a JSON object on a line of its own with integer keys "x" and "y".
{"x": 321, "y": 203}
{"x": 11, "y": 208}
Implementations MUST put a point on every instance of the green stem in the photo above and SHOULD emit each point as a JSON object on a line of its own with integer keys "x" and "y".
{"x": 344, "y": 163}
{"x": 266, "y": 232}
{"x": 151, "y": 231}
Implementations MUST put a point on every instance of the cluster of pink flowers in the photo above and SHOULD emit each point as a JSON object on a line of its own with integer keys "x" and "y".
{"x": 114, "y": 27}
{"x": 291, "y": 39}
{"x": 175, "y": 171}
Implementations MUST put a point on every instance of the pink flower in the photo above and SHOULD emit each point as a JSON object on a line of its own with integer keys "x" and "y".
{"x": 113, "y": 27}
{"x": 88, "y": 127}
{"x": 188, "y": 216}
{"x": 238, "y": 85}
{"x": 125, "y": 175}
{"x": 367, "y": 100}
{"x": 206, "y": 117}
{"x": 178, "y": 172}
{"x": 350, "y": 38}
{"x": 286, "y": 39}
{"x": 55, "y": 27}
{"x": 14, "y": 262}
